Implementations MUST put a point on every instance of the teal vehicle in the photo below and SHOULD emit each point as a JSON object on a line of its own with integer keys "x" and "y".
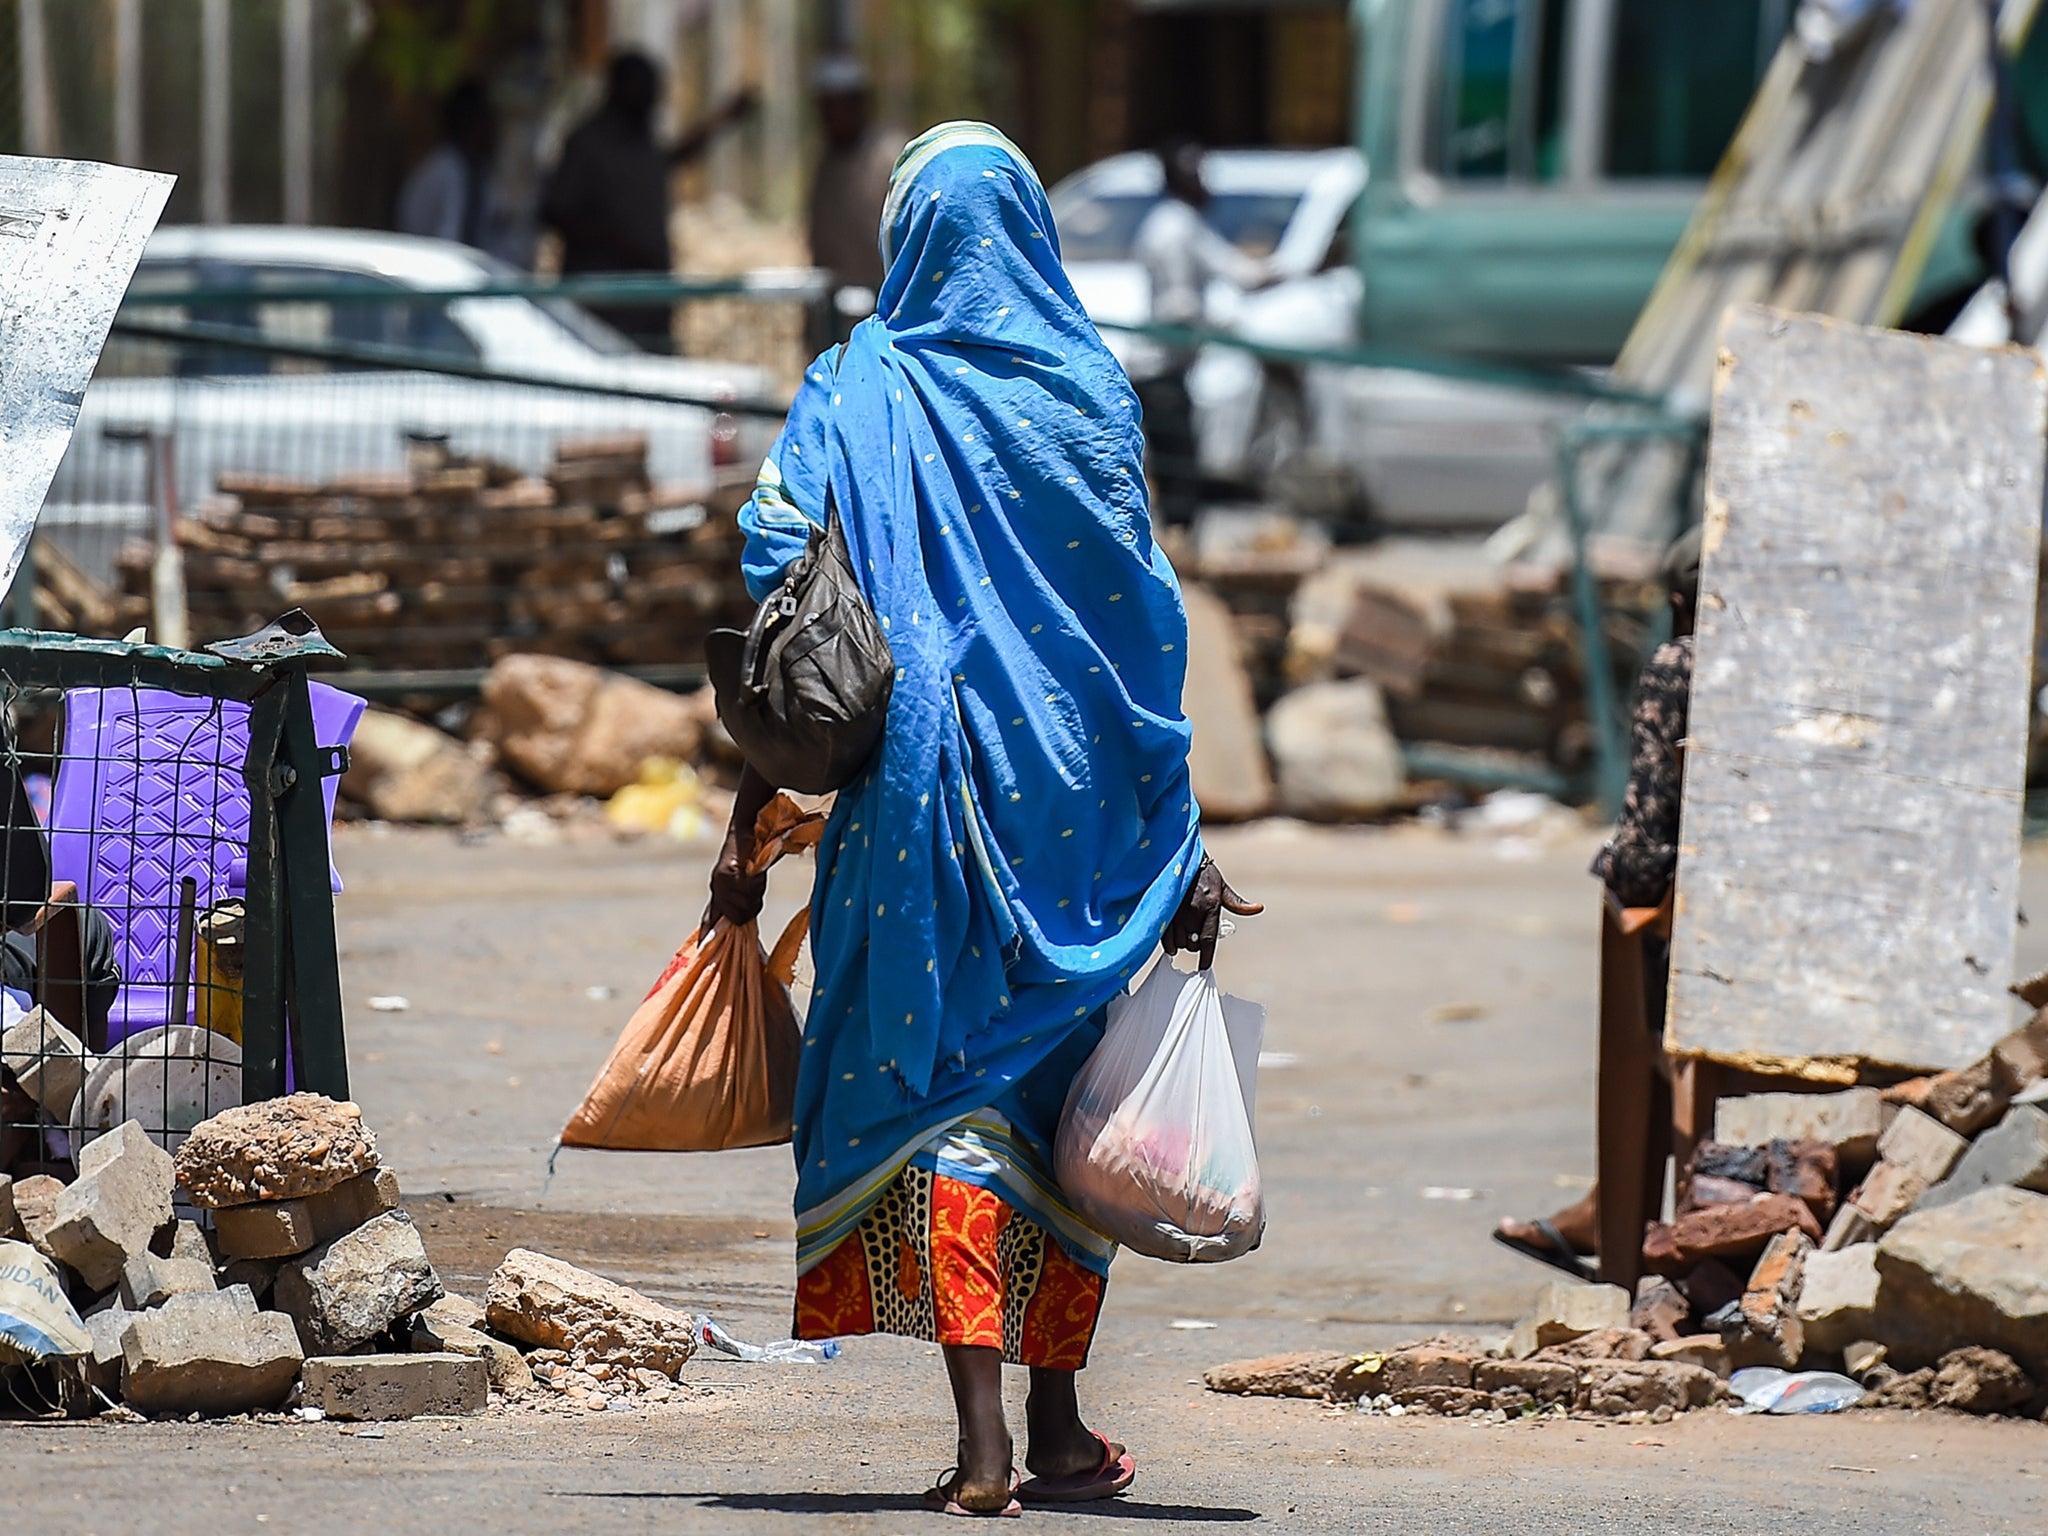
{"x": 1533, "y": 162}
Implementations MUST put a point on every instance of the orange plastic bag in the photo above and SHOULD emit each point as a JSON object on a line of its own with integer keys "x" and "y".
{"x": 708, "y": 1061}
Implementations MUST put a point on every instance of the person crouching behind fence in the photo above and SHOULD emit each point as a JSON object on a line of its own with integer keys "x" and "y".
{"x": 1639, "y": 865}
{"x": 1025, "y": 833}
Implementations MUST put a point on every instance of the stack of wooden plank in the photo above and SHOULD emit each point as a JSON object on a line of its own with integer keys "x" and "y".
{"x": 453, "y": 563}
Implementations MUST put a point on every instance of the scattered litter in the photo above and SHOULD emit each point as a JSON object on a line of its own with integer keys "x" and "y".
{"x": 780, "y": 1352}
{"x": 390, "y": 1003}
{"x": 1191, "y": 1324}
{"x": 366, "y": 1434}
{"x": 600, "y": 994}
{"x": 1766, "y": 1389}
{"x": 1450, "y": 1192}
{"x": 1574, "y": 1181}
{"x": 1276, "y": 1061}
{"x": 309, "y": 1415}
{"x": 1456, "y": 1013}
{"x": 668, "y": 799}
{"x": 1837, "y": 1466}
{"x": 1508, "y": 810}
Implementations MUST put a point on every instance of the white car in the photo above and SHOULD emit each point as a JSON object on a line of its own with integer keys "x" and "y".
{"x": 1407, "y": 449}
{"x": 230, "y": 409}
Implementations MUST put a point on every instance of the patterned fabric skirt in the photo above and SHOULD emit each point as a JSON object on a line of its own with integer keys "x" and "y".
{"x": 939, "y": 1259}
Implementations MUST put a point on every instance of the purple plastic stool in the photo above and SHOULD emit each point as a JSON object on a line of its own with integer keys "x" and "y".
{"x": 149, "y": 791}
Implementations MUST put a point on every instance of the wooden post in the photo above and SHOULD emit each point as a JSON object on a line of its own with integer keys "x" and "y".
{"x": 38, "y": 106}
{"x": 296, "y": 109}
{"x": 728, "y": 71}
{"x": 1631, "y": 1139}
{"x": 216, "y": 93}
{"x": 783, "y": 100}
{"x": 128, "y": 81}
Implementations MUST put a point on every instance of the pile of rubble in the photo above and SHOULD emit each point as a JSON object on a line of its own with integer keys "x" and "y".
{"x": 298, "y": 1280}
{"x": 457, "y": 558}
{"x": 1927, "y": 1285}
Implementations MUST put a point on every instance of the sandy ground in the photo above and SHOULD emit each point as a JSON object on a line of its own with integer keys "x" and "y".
{"x": 1431, "y": 1002}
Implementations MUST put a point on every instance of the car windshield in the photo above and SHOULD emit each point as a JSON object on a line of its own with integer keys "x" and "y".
{"x": 1103, "y": 228}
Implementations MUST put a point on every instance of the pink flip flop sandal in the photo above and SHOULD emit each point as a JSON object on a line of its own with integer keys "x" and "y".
{"x": 940, "y": 1500}
{"x": 1105, "y": 1482}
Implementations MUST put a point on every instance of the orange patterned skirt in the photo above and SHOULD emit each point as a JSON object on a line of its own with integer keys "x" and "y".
{"x": 953, "y": 1263}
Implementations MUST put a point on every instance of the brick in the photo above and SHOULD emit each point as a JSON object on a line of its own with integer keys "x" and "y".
{"x": 2013, "y": 1153}
{"x": 149, "y": 1278}
{"x": 1887, "y": 1193}
{"x": 280, "y": 1149}
{"x": 1741, "y": 1165}
{"x": 1450, "y": 1401}
{"x": 1602, "y": 1344}
{"x": 1659, "y": 1388}
{"x": 266, "y": 1229}
{"x": 352, "y": 1203}
{"x": 208, "y": 1352}
{"x": 47, "y": 1060}
{"x": 1850, "y": 1226}
{"x": 259, "y": 1275}
{"x": 1768, "y": 1329}
{"x": 1546, "y": 1381}
{"x": 35, "y": 1207}
{"x": 371, "y": 1387}
{"x": 2022, "y": 1056}
{"x": 544, "y": 1302}
{"x": 1730, "y": 1232}
{"x": 1704, "y": 1350}
{"x": 1838, "y": 1297}
{"x": 1660, "y": 1310}
{"x": 1968, "y": 1099}
{"x": 511, "y": 1375}
{"x": 346, "y": 1292}
{"x": 121, "y": 1198}
{"x": 1849, "y": 1121}
{"x": 1921, "y": 1144}
{"x": 1306, "y": 1373}
{"x": 1805, "y": 1170}
{"x": 1565, "y": 1311}
{"x": 1410, "y": 1368}
{"x": 1707, "y": 1189}
{"x": 7, "y": 1218}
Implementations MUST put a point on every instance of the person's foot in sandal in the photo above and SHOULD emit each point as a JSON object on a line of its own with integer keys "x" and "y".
{"x": 1568, "y": 1240}
{"x": 953, "y": 1495}
{"x": 1069, "y": 1462}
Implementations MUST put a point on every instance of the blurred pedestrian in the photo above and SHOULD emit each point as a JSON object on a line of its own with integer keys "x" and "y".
{"x": 608, "y": 196}
{"x": 1639, "y": 867}
{"x": 850, "y": 183}
{"x": 1182, "y": 255}
{"x": 976, "y": 440}
{"x": 448, "y": 195}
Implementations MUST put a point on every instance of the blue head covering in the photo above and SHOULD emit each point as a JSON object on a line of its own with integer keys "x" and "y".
{"x": 1026, "y": 829}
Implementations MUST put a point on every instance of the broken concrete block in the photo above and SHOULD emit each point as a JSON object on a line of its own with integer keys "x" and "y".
{"x": 1805, "y": 1170}
{"x": 1602, "y": 1344}
{"x": 2013, "y": 1153}
{"x": 1704, "y": 1350}
{"x": 1410, "y": 1368}
{"x": 1736, "y": 1233}
{"x": 121, "y": 1198}
{"x": 1546, "y": 1381}
{"x": 1449, "y": 1401}
{"x": 1977, "y": 1380}
{"x": 1887, "y": 1192}
{"x": 1968, "y": 1099}
{"x": 1307, "y": 1373}
{"x": 352, "y": 1289}
{"x": 1334, "y": 754}
{"x": 1226, "y": 753}
{"x": 352, "y": 1202}
{"x": 1661, "y": 1310}
{"x": 1565, "y": 1311}
{"x": 1838, "y": 1297}
{"x": 1862, "y": 1356}
{"x": 1975, "y": 1271}
{"x": 1660, "y": 1388}
{"x": 508, "y": 1369}
{"x": 544, "y": 1302}
{"x": 7, "y": 1217}
{"x": 1893, "y": 1390}
{"x": 2033, "y": 991}
{"x": 404, "y": 770}
{"x": 2022, "y": 1056}
{"x": 1768, "y": 1330}
{"x": 103, "y": 1365}
{"x": 267, "y": 1229}
{"x": 395, "y": 1386}
{"x": 1921, "y": 1144}
{"x": 208, "y": 1352}
{"x": 1849, "y": 1121}
{"x": 457, "y": 1312}
{"x": 149, "y": 1278}
{"x": 259, "y": 1275}
{"x": 280, "y": 1149}
{"x": 1849, "y": 1227}
{"x": 47, "y": 1060}
{"x": 35, "y": 1207}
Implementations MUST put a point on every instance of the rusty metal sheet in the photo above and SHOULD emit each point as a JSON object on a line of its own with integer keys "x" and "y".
{"x": 1848, "y": 876}
{"x": 71, "y": 233}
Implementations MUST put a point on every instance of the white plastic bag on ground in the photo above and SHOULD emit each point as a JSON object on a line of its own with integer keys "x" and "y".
{"x": 1155, "y": 1146}
{"x": 36, "y": 1321}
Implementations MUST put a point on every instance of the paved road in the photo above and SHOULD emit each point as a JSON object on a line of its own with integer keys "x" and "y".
{"x": 1431, "y": 1006}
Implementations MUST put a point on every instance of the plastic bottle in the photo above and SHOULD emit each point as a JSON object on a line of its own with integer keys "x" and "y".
{"x": 781, "y": 1352}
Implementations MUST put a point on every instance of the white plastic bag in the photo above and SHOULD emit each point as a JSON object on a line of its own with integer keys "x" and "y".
{"x": 1155, "y": 1145}
{"x": 36, "y": 1320}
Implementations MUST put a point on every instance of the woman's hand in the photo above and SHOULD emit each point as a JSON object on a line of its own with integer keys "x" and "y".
{"x": 1195, "y": 927}
{"x": 736, "y": 894}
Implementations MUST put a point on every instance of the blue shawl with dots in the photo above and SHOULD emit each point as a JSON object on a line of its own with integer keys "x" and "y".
{"x": 1026, "y": 829}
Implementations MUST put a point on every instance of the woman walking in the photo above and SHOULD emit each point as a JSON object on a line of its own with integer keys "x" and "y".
{"x": 1025, "y": 833}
